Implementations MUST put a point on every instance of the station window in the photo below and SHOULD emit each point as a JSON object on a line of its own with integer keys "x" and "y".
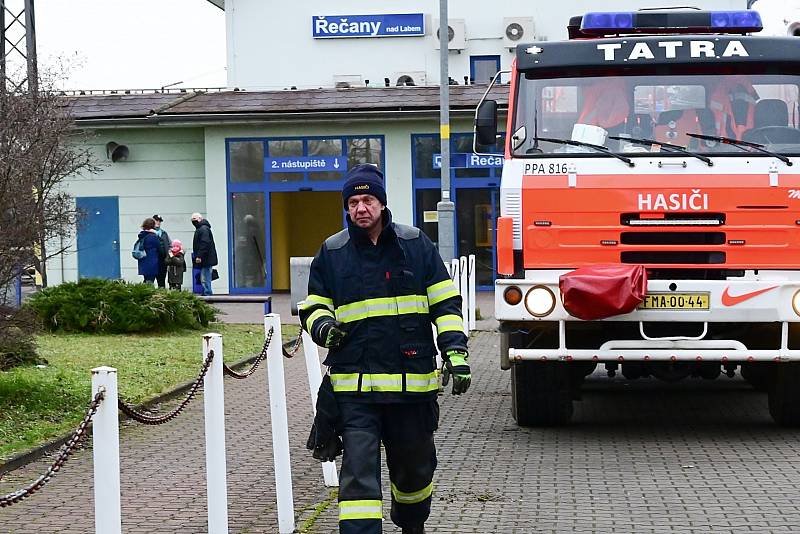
{"x": 483, "y": 68}
{"x": 247, "y": 161}
{"x": 283, "y": 200}
{"x": 247, "y": 231}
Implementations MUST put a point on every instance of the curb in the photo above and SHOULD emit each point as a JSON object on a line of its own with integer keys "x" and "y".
{"x": 30, "y": 456}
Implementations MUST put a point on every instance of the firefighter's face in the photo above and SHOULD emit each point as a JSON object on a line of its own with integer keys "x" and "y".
{"x": 365, "y": 211}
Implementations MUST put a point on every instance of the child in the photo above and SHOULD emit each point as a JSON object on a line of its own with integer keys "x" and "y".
{"x": 176, "y": 265}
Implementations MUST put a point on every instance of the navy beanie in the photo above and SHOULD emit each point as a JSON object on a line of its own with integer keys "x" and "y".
{"x": 364, "y": 179}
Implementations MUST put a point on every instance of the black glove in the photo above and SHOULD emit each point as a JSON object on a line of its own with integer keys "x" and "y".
{"x": 323, "y": 441}
{"x": 328, "y": 333}
{"x": 455, "y": 364}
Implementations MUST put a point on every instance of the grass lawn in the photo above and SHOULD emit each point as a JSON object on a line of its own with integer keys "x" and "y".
{"x": 40, "y": 404}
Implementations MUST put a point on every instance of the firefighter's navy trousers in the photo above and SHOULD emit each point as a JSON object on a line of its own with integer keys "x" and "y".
{"x": 406, "y": 430}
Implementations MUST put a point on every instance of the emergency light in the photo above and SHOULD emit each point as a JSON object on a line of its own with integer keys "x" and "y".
{"x": 667, "y": 21}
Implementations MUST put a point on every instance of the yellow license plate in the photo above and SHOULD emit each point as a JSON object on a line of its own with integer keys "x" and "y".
{"x": 675, "y": 301}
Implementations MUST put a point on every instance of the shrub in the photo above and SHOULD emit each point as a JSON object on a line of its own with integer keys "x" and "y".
{"x": 116, "y": 307}
{"x": 17, "y": 344}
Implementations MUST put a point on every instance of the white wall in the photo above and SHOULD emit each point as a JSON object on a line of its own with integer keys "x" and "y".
{"x": 164, "y": 174}
{"x": 780, "y": 17}
{"x": 270, "y": 44}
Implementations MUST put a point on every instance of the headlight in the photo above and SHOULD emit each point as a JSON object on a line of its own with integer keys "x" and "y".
{"x": 540, "y": 301}
{"x": 796, "y": 302}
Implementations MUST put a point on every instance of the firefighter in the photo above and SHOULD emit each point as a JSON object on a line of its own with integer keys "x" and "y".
{"x": 373, "y": 292}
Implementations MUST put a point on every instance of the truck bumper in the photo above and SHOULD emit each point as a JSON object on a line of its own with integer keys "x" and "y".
{"x": 769, "y": 297}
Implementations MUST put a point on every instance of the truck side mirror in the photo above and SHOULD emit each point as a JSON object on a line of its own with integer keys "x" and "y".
{"x": 486, "y": 123}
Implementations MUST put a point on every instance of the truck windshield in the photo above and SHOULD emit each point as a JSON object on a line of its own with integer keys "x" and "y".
{"x": 758, "y": 108}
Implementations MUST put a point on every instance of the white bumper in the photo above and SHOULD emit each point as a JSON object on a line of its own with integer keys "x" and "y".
{"x": 773, "y": 305}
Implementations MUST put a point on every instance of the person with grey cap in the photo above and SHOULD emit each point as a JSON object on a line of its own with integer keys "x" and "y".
{"x": 204, "y": 250}
{"x": 166, "y": 243}
{"x": 374, "y": 290}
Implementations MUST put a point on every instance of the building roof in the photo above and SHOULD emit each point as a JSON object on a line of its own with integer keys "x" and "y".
{"x": 225, "y": 106}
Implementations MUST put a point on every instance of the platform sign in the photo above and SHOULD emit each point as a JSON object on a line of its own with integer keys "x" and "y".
{"x": 306, "y": 164}
{"x": 461, "y": 160}
{"x": 388, "y": 25}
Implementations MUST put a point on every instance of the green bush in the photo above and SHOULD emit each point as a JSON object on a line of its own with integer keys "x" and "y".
{"x": 17, "y": 344}
{"x": 17, "y": 347}
{"x": 117, "y": 307}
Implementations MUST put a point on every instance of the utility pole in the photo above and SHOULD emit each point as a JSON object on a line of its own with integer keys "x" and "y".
{"x": 18, "y": 25}
{"x": 445, "y": 207}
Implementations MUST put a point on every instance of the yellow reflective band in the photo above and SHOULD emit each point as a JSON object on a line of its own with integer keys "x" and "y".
{"x": 449, "y": 323}
{"x": 316, "y": 314}
{"x": 313, "y": 300}
{"x": 381, "y": 307}
{"x": 382, "y": 382}
{"x": 366, "y": 509}
{"x": 413, "y": 497}
{"x": 422, "y": 383}
{"x": 441, "y": 291}
{"x": 344, "y": 382}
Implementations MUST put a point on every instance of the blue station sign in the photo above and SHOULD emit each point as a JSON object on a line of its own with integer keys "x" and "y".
{"x": 306, "y": 164}
{"x": 463, "y": 160}
{"x": 393, "y": 25}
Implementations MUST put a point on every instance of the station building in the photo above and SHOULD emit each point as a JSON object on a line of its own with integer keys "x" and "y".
{"x": 313, "y": 89}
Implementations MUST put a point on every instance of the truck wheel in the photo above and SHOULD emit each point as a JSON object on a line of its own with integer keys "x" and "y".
{"x": 760, "y": 375}
{"x": 541, "y": 394}
{"x": 784, "y": 395}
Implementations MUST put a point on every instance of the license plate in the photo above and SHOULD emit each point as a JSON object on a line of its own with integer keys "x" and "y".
{"x": 675, "y": 301}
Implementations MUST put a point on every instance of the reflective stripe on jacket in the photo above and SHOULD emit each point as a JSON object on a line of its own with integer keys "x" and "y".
{"x": 387, "y": 295}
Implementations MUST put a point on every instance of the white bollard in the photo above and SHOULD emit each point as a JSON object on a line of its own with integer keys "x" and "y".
{"x": 216, "y": 472}
{"x": 471, "y": 291}
{"x": 280, "y": 426}
{"x": 463, "y": 289}
{"x": 105, "y": 446}
{"x": 314, "y": 381}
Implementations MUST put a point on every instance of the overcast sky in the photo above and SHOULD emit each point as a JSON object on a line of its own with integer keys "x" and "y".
{"x": 132, "y": 44}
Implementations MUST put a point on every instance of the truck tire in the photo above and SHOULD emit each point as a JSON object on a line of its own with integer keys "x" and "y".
{"x": 784, "y": 395}
{"x": 540, "y": 393}
{"x": 760, "y": 375}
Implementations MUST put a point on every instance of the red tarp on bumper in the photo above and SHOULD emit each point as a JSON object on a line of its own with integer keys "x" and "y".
{"x": 602, "y": 291}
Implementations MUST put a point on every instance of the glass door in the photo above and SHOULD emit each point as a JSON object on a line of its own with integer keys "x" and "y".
{"x": 475, "y": 230}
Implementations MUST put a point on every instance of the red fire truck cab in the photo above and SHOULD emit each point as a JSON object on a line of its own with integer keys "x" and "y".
{"x": 651, "y": 159}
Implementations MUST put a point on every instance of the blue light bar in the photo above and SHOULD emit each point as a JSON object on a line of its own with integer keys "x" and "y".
{"x": 615, "y": 21}
{"x": 670, "y": 21}
{"x": 749, "y": 20}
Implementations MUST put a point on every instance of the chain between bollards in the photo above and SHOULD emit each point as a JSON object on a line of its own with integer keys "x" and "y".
{"x": 61, "y": 459}
{"x": 261, "y": 357}
{"x": 147, "y": 419}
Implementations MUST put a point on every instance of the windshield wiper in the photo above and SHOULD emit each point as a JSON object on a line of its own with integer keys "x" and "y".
{"x": 599, "y": 148}
{"x": 741, "y": 144}
{"x": 674, "y": 148}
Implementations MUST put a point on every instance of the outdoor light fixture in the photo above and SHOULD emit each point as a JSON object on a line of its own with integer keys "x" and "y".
{"x": 116, "y": 152}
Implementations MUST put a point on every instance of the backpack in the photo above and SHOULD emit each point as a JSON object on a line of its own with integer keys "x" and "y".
{"x": 138, "y": 251}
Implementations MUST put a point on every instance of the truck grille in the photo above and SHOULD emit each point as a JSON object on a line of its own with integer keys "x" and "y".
{"x": 672, "y": 238}
{"x": 674, "y": 219}
{"x": 672, "y": 257}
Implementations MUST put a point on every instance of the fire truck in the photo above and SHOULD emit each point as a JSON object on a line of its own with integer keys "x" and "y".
{"x": 650, "y": 207}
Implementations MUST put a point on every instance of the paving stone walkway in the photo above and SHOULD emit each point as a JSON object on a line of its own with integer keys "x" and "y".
{"x": 640, "y": 457}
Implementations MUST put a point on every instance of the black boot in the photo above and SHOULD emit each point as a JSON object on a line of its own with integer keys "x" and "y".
{"x": 414, "y": 530}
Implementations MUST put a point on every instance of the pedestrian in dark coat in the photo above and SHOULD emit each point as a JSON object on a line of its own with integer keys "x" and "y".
{"x": 204, "y": 249}
{"x": 166, "y": 243}
{"x": 148, "y": 266}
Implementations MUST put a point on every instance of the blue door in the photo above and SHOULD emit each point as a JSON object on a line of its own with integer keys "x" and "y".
{"x": 98, "y": 237}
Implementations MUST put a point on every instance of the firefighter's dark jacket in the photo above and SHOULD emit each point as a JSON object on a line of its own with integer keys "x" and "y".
{"x": 387, "y": 295}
